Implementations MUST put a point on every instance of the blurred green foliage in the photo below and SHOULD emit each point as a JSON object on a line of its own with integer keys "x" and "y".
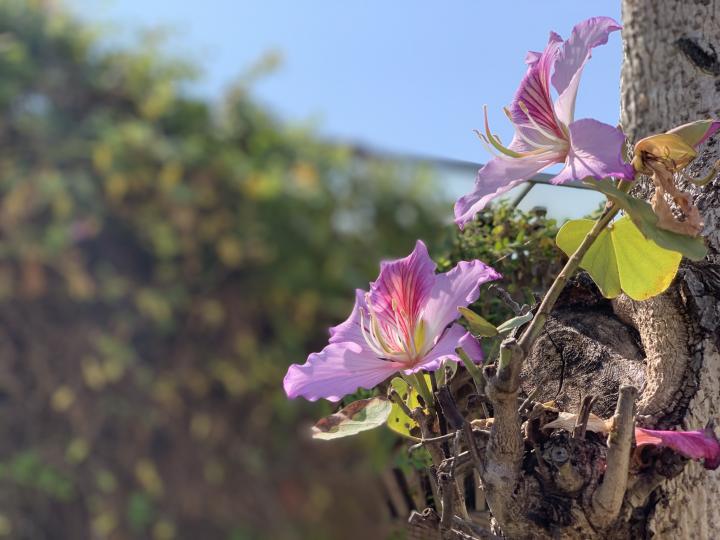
{"x": 162, "y": 261}
{"x": 518, "y": 244}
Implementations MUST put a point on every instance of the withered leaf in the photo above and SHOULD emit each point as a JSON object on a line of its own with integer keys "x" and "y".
{"x": 359, "y": 416}
{"x": 567, "y": 422}
{"x": 664, "y": 182}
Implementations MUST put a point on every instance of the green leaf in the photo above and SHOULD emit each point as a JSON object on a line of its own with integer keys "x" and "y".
{"x": 360, "y": 415}
{"x": 477, "y": 324}
{"x": 622, "y": 259}
{"x": 599, "y": 261}
{"x": 398, "y": 421}
{"x": 645, "y": 219}
{"x": 513, "y": 323}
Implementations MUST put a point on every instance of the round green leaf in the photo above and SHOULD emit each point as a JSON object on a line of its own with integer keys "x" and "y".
{"x": 599, "y": 261}
{"x": 360, "y": 415}
{"x": 622, "y": 259}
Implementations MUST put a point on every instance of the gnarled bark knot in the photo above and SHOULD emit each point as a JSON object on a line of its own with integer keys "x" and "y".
{"x": 556, "y": 486}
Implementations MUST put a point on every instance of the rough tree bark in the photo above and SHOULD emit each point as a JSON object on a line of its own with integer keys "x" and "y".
{"x": 671, "y": 75}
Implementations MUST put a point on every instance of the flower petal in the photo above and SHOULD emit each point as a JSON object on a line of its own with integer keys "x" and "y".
{"x": 472, "y": 348}
{"x": 499, "y": 176}
{"x": 533, "y": 98}
{"x": 571, "y": 59}
{"x": 457, "y": 288}
{"x": 350, "y": 329}
{"x": 700, "y": 444}
{"x": 596, "y": 150}
{"x": 339, "y": 369}
{"x": 444, "y": 349}
{"x": 532, "y": 57}
{"x": 403, "y": 287}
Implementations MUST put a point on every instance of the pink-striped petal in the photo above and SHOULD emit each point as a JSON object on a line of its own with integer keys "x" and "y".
{"x": 533, "y": 96}
{"x": 339, "y": 369}
{"x": 532, "y": 57}
{"x": 571, "y": 59}
{"x": 499, "y": 176}
{"x": 400, "y": 292}
{"x": 459, "y": 287}
{"x": 700, "y": 444}
{"x": 596, "y": 151}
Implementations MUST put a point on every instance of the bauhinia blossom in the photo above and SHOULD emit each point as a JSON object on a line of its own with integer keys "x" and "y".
{"x": 660, "y": 157}
{"x": 675, "y": 148}
{"x": 546, "y": 132}
{"x": 700, "y": 444}
{"x": 405, "y": 323}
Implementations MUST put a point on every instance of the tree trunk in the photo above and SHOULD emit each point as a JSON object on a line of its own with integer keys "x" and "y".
{"x": 671, "y": 75}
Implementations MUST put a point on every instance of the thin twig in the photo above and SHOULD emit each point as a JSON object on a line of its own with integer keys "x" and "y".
{"x": 442, "y": 423}
{"x": 446, "y": 485}
{"x": 396, "y": 398}
{"x": 474, "y": 529}
{"x": 536, "y": 325}
{"x": 459, "y": 485}
{"x": 431, "y": 440}
{"x": 583, "y": 417}
{"x": 505, "y": 297}
{"x": 532, "y": 396}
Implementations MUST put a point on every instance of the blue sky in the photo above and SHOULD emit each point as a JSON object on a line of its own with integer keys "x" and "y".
{"x": 402, "y": 75}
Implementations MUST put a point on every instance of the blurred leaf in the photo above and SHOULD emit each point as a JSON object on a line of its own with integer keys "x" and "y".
{"x": 77, "y": 451}
{"x": 147, "y": 474}
{"x": 140, "y": 511}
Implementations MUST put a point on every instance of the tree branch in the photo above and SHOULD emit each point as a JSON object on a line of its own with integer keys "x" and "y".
{"x": 500, "y": 469}
{"x": 607, "y": 499}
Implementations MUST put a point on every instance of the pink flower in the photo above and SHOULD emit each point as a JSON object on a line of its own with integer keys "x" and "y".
{"x": 700, "y": 444}
{"x": 545, "y": 131}
{"x": 405, "y": 323}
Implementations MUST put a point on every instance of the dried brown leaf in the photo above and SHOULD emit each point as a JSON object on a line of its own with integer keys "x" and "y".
{"x": 567, "y": 422}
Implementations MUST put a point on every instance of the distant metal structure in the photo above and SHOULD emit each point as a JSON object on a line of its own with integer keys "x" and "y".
{"x": 368, "y": 152}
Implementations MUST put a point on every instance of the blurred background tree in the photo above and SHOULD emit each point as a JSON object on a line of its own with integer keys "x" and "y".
{"x": 162, "y": 261}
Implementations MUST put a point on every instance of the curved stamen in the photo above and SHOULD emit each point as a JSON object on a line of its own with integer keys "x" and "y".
{"x": 496, "y": 142}
{"x": 369, "y": 339}
{"x": 490, "y": 150}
